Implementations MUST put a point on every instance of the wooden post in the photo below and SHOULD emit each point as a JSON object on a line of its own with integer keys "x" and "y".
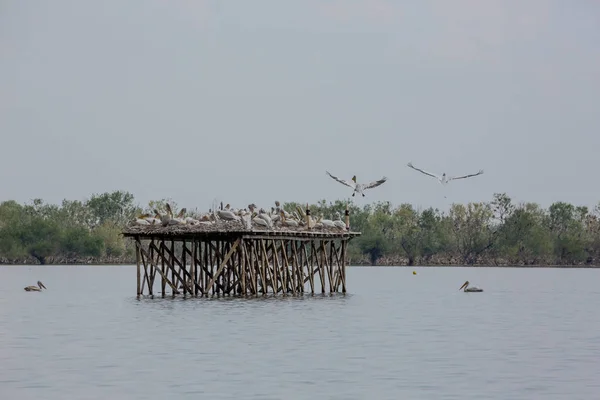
{"x": 308, "y": 217}
{"x": 139, "y": 271}
{"x": 163, "y": 281}
{"x": 194, "y": 267}
{"x": 223, "y": 263}
{"x": 347, "y": 214}
{"x": 242, "y": 269}
{"x": 172, "y": 262}
{"x": 344, "y": 246}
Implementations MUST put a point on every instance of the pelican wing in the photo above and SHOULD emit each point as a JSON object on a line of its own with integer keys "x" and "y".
{"x": 423, "y": 172}
{"x": 343, "y": 182}
{"x": 466, "y": 176}
{"x": 375, "y": 183}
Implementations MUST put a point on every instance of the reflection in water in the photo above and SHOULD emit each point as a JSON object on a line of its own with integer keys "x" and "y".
{"x": 394, "y": 335}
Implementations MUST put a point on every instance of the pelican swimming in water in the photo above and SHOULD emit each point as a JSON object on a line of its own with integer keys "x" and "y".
{"x": 358, "y": 187}
{"x": 470, "y": 289}
{"x": 444, "y": 179}
{"x": 37, "y": 288}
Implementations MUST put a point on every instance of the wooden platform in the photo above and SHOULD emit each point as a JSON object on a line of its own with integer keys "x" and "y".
{"x": 225, "y": 259}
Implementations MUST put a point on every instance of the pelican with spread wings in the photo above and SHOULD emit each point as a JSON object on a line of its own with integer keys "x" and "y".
{"x": 444, "y": 179}
{"x": 358, "y": 187}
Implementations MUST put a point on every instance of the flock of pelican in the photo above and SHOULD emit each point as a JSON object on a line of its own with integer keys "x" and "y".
{"x": 249, "y": 217}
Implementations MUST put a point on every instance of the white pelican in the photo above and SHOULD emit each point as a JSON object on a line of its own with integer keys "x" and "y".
{"x": 470, "y": 289}
{"x": 191, "y": 221}
{"x": 142, "y": 220}
{"x": 328, "y": 223}
{"x": 287, "y": 222}
{"x": 227, "y": 215}
{"x": 358, "y": 187}
{"x": 444, "y": 179}
{"x": 165, "y": 218}
{"x": 178, "y": 220}
{"x": 37, "y": 288}
{"x": 338, "y": 222}
{"x": 262, "y": 214}
{"x": 259, "y": 221}
{"x": 247, "y": 221}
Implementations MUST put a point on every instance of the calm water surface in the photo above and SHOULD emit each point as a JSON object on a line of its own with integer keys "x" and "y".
{"x": 533, "y": 334}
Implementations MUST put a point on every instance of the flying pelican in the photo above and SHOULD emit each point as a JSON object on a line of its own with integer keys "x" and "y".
{"x": 444, "y": 180}
{"x": 470, "y": 289}
{"x": 358, "y": 187}
{"x": 37, "y": 288}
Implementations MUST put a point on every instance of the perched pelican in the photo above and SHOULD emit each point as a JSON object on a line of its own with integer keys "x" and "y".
{"x": 227, "y": 215}
{"x": 287, "y": 222}
{"x": 338, "y": 222}
{"x": 37, "y": 288}
{"x": 259, "y": 221}
{"x": 470, "y": 289}
{"x": 247, "y": 221}
{"x": 142, "y": 220}
{"x": 262, "y": 214}
{"x": 328, "y": 223}
{"x": 179, "y": 219}
{"x": 444, "y": 180}
{"x": 165, "y": 218}
{"x": 358, "y": 187}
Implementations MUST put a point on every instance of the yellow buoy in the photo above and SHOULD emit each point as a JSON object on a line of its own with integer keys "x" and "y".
{"x": 414, "y": 272}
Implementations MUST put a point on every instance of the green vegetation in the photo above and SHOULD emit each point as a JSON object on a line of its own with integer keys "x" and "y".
{"x": 495, "y": 232}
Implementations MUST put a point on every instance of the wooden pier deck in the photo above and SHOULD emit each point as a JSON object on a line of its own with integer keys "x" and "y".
{"x": 223, "y": 258}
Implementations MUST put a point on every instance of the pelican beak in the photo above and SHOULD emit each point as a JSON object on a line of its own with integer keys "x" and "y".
{"x": 464, "y": 284}
{"x": 42, "y": 285}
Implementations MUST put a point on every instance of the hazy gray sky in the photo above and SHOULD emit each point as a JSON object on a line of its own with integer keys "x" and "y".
{"x": 252, "y": 101}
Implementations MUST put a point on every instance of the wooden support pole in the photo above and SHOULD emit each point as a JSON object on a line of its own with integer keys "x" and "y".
{"x": 242, "y": 269}
{"x": 285, "y": 267}
{"x": 248, "y": 267}
{"x": 183, "y": 266}
{"x": 139, "y": 270}
{"x": 163, "y": 275}
{"x": 326, "y": 264}
{"x": 220, "y": 269}
{"x": 152, "y": 269}
{"x": 195, "y": 266}
{"x": 146, "y": 278}
{"x": 172, "y": 263}
{"x": 332, "y": 274}
{"x": 343, "y": 265}
{"x": 205, "y": 266}
{"x": 347, "y": 217}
